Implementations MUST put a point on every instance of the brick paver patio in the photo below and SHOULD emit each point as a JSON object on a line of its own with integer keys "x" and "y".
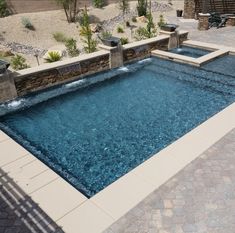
{"x": 201, "y": 198}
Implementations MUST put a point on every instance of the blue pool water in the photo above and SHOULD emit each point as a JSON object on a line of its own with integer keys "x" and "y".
{"x": 93, "y": 135}
{"x": 190, "y": 51}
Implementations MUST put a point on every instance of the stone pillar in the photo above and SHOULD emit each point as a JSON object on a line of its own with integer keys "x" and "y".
{"x": 7, "y": 87}
{"x": 231, "y": 21}
{"x": 203, "y": 21}
{"x": 116, "y": 55}
{"x": 173, "y": 40}
{"x": 189, "y": 9}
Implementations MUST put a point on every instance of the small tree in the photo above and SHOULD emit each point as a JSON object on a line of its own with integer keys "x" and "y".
{"x": 85, "y": 31}
{"x": 124, "y": 6}
{"x": 70, "y": 8}
{"x": 142, "y": 6}
{"x": 98, "y": 3}
{"x": 4, "y": 10}
{"x": 150, "y": 24}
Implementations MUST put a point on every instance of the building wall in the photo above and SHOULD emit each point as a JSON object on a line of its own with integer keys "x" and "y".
{"x": 25, "y": 6}
{"x": 193, "y": 7}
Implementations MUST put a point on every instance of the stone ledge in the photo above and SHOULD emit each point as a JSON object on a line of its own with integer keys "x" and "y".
{"x": 145, "y": 42}
{"x": 58, "y": 64}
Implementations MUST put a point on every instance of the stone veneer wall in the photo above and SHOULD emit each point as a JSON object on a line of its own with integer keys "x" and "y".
{"x": 61, "y": 73}
{"x": 142, "y": 49}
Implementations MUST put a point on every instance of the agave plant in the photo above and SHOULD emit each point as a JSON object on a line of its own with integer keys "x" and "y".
{"x": 53, "y": 56}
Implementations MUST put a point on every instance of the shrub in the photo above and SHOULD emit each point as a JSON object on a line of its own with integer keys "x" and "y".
{"x": 27, "y": 23}
{"x": 134, "y": 20}
{"x": 60, "y": 37}
{"x": 141, "y": 33}
{"x": 53, "y": 56}
{"x": 149, "y": 31}
{"x": 120, "y": 29}
{"x": 106, "y": 34}
{"x": 142, "y": 6}
{"x": 4, "y": 10}
{"x": 128, "y": 24}
{"x": 161, "y": 21}
{"x": 124, "y": 40}
{"x": 18, "y": 62}
{"x": 98, "y": 3}
{"x": 71, "y": 47}
{"x": 86, "y": 33}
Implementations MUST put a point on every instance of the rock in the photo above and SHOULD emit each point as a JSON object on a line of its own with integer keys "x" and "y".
{"x": 5, "y": 52}
{"x": 141, "y": 19}
{"x": 95, "y": 27}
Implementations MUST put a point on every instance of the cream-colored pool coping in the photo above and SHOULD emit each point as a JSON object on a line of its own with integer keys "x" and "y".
{"x": 73, "y": 211}
{"x": 190, "y": 60}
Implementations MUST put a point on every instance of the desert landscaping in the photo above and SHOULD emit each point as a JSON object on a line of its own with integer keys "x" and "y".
{"x": 28, "y": 43}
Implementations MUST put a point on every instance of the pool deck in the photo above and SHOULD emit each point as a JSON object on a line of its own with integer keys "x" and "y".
{"x": 200, "y": 198}
{"x": 33, "y": 198}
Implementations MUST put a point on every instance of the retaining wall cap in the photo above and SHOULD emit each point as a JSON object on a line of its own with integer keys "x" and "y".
{"x": 146, "y": 41}
{"x": 58, "y": 64}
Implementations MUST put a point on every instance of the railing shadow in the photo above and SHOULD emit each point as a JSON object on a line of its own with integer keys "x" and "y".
{"x": 19, "y": 213}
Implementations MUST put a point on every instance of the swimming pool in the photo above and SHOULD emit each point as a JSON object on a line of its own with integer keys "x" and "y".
{"x": 93, "y": 135}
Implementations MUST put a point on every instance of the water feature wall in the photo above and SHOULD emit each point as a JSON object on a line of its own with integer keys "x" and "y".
{"x": 176, "y": 38}
{"x": 61, "y": 72}
{"x": 142, "y": 49}
{"x": 38, "y": 78}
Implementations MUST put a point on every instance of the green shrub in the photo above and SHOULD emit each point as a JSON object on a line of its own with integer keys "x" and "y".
{"x": 106, "y": 34}
{"x": 124, "y": 40}
{"x": 141, "y": 33}
{"x": 71, "y": 47}
{"x": 128, "y": 24}
{"x": 27, "y": 23}
{"x": 60, "y": 37}
{"x": 134, "y": 20}
{"x": 19, "y": 63}
{"x": 161, "y": 21}
{"x": 142, "y": 6}
{"x": 53, "y": 56}
{"x": 98, "y": 3}
{"x": 4, "y": 10}
{"x": 120, "y": 29}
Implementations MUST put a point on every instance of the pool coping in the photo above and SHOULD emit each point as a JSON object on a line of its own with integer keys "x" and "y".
{"x": 216, "y": 52}
{"x": 65, "y": 205}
